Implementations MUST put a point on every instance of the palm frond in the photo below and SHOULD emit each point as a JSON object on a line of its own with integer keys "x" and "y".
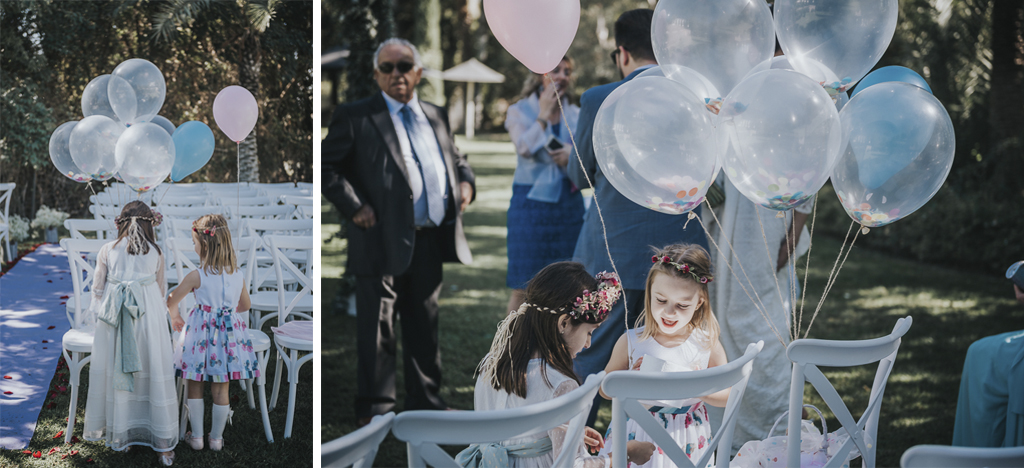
{"x": 260, "y": 12}
{"x": 174, "y": 13}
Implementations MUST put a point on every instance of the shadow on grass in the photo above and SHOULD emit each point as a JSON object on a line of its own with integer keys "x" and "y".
{"x": 950, "y": 310}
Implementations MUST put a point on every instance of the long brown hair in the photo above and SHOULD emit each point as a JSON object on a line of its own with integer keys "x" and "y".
{"x": 135, "y": 223}
{"x": 549, "y": 295}
{"x": 700, "y": 266}
{"x": 534, "y": 82}
{"x": 216, "y": 255}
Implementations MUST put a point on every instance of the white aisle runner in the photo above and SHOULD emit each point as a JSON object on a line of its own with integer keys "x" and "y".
{"x": 32, "y": 323}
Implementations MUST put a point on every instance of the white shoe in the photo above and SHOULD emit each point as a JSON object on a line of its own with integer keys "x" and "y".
{"x": 195, "y": 442}
{"x": 167, "y": 458}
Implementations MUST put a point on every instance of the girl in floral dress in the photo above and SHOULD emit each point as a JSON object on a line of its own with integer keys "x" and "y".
{"x": 679, "y": 329}
{"x": 217, "y": 348}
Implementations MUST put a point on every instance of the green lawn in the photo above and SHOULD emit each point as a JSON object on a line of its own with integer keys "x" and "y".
{"x": 951, "y": 308}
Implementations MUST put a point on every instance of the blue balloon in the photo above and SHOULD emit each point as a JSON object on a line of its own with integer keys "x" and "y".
{"x": 892, "y": 73}
{"x": 193, "y": 147}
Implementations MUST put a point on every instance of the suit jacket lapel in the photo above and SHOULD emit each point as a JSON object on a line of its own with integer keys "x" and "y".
{"x": 441, "y": 132}
{"x": 382, "y": 120}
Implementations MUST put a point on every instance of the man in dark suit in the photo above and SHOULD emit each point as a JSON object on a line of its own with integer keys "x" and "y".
{"x": 391, "y": 167}
{"x": 632, "y": 229}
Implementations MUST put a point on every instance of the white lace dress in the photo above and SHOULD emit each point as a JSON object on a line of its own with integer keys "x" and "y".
{"x": 147, "y": 415}
{"x": 486, "y": 398}
{"x": 685, "y": 420}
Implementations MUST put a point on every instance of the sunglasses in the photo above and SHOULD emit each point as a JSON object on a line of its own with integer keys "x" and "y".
{"x": 388, "y": 67}
{"x": 615, "y": 56}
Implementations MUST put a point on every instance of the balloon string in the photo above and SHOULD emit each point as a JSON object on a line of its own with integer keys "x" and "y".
{"x": 238, "y": 179}
{"x": 600, "y": 216}
{"x": 807, "y": 268}
{"x": 791, "y": 272}
{"x": 771, "y": 268}
{"x": 758, "y": 304}
{"x": 834, "y": 274}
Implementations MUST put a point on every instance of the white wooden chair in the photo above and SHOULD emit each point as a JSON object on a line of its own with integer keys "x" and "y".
{"x": 190, "y": 213}
{"x": 103, "y": 229}
{"x": 177, "y": 199}
{"x": 291, "y": 305}
{"x": 260, "y": 212}
{"x": 627, "y": 387}
{"x": 304, "y": 205}
{"x": 77, "y": 342}
{"x": 5, "y": 220}
{"x": 945, "y": 456}
{"x": 245, "y": 252}
{"x": 808, "y": 354}
{"x": 424, "y": 430}
{"x": 105, "y": 211}
{"x": 359, "y": 448}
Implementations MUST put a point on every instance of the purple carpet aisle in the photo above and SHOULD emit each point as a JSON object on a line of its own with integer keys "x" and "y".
{"x": 32, "y": 323}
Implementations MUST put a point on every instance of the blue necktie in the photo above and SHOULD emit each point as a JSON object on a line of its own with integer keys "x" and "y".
{"x": 428, "y": 169}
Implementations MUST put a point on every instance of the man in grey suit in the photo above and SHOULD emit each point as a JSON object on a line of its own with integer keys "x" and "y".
{"x": 391, "y": 167}
{"x": 632, "y": 229}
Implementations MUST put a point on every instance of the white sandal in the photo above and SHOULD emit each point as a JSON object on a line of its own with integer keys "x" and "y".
{"x": 167, "y": 458}
{"x": 195, "y": 442}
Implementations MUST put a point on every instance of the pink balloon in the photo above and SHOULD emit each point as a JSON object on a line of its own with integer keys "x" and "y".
{"x": 535, "y": 32}
{"x": 236, "y": 112}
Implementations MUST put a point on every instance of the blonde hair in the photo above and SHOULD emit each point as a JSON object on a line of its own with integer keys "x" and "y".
{"x": 699, "y": 263}
{"x": 534, "y": 82}
{"x": 216, "y": 254}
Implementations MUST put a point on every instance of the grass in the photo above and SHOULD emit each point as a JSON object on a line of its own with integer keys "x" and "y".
{"x": 245, "y": 442}
{"x": 950, "y": 309}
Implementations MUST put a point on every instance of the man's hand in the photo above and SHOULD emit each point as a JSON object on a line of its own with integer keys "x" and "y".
{"x": 365, "y": 218}
{"x": 467, "y": 194}
{"x": 560, "y": 156}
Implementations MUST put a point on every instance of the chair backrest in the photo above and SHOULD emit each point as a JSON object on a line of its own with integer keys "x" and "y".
{"x": 304, "y": 205}
{"x": 424, "y": 430}
{"x": 104, "y": 228}
{"x": 359, "y": 448}
{"x": 231, "y": 200}
{"x": 182, "y": 227}
{"x": 808, "y": 354}
{"x": 179, "y": 199}
{"x": 105, "y": 211}
{"x": 945, "y": 456}
{"x": 190, "y": 213}
{"x": 627, "y": 387}
{"x": 5, "y": 201}
{"x": 81, "y": 272}
{"x": 277, "y": 246}
{"x": 260, "y": 212}
{"x": 230, "y": 191}
{"x": 295, "y": 227}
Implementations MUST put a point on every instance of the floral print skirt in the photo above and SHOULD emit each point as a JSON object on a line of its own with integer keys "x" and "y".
{"x": 217, "y": 347}
{"x": 689, "y": 427}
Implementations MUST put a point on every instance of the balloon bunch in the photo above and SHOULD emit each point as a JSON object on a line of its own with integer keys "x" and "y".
{"x": 121, "y": 135}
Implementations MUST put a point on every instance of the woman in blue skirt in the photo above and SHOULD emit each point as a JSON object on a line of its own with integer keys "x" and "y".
{"x": 546, "y": 212}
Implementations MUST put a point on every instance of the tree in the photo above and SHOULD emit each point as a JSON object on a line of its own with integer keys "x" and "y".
{"x": 175, "y": 14}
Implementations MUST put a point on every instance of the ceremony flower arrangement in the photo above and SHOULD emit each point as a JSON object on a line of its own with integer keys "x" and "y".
{"x": 47, "y": 218}
{"x": 19, "y": 228}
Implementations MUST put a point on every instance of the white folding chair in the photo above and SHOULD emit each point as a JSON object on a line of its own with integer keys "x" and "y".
{"x": 77, "y": 342}
{"x": 5, "y": 219}
{"x": 359, "y": 448}
{"x": 255, "y": 200}
{"x": 105, "y": 211}
{"x": 628, "y": 387}
{"x": 245, "y": 252}
{"x": 424, "y": 430}
{"x": 297, "y": 303}
{"x": 304, "y": 205}
{"x": 808, "y": 354}
{"x": 260, "y": 212}
{"x": 103, "y": 229}
{"x": 946, "y": 456}
{"x": 190, "y": 213}
{"x": 179, "y": 199}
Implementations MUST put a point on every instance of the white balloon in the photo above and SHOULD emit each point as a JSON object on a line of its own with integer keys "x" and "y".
{"x": 146, "y": 154}
{"x": 92, "y": 145}
{"x": 149, "y": 85}
{"x": 60, "y": 153}
{"x": 166, "y": 124}
{"x": 721, "y": 39}
{"x": 123, "y": 100}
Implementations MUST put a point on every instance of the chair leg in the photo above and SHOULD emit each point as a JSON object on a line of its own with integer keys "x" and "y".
{"x": 247, "y": 384}
{"x": 293, "y": 379}
{"x": 261, "y": 381}
{"x": 277, "y": 382}
{"x": 183, "y": 391}
{"x": 73, "y": 368}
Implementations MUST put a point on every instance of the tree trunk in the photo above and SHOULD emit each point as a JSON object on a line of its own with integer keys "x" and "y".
{"x": 428, "y": 40}
{"x": 249, "y": 77}
{"x": 1006, "y": 114}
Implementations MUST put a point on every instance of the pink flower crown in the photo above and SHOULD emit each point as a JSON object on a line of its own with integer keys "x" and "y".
{"x": 593, "y": 306}
{"x": 210, "y": 231}
{"x": 682, "y": 267}
{"x": 155, "y": 220}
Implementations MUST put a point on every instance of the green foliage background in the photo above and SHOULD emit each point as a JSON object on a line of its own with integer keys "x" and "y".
{"x": 49, "y": 51}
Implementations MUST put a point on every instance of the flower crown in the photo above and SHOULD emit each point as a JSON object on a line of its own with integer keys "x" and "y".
{"x": 155, "y": 219}
{"x": 682, "y": 267}
{"x": 593, "y": 306}
{"x": 210, "y": 231}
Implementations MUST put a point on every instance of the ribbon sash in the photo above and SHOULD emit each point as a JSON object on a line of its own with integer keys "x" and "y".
{"x": 120, "y": 309}
{"x": 495, "y": 455}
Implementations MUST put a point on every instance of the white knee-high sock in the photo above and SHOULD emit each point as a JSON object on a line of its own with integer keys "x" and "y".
{"x": 220, "y": 419}
{"x": 195, "y": 416}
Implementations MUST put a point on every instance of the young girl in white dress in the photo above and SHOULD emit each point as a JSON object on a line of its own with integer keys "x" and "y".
{"x": 217, "y": 347}
{"x": 131, "y": 398}
{"x": 679, "y": 329}
{"x": 530, "y": 361}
